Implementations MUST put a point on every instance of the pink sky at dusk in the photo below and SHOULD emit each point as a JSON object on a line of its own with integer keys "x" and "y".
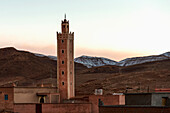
{"x": 52, "y": 50}
{"x": 115, "y": 29}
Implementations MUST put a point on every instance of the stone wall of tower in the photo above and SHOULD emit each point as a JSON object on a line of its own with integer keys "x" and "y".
{"x": 65, "y": 62}
{"x": 71, "y": 63}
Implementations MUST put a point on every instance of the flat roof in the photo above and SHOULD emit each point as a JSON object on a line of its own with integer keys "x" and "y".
{"x": 146, "y": 93}
{"x": 137, "y": 106}
{"x": 27, "y": 87}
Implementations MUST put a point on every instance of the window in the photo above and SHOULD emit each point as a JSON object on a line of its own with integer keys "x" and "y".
{"x": 62, "y": 62}
{"x": 62, "y": 51}
{"x": 67, "y": 26}
{"x": 63, "y": 83}
{"x": 62, "y": 72}
{"x": 164, "y": 101}
{"x": 62, "y": 41}
{"x": 63, "y": 26}
{"x": 6, "y": 97}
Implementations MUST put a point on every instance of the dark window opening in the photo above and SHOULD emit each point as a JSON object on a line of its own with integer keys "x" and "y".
{"x": 62, "y": 72}
{"x": 63, "y": 26}
{"x": 6, "y": 97}
{"x": 62, "y": 51}
{"x": 67, "y": 26}
{"x": 62, "y": 62}
{"x": 63, "y": 83}
{"x": 62, "y": 41}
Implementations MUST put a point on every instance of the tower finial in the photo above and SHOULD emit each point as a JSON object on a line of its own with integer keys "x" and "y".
{"x": 65, "y": 16}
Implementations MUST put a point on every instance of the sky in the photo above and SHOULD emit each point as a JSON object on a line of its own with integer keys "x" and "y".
{"x": 115, "y": 29}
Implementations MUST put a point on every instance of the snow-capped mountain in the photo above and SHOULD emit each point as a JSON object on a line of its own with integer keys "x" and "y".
{"x": 100, "y": 61}
{"x": 86, "y": 60}
{"x": 166, "y": 54}
{"x": 94, "y": 61}
{"x": 140, "y": 60}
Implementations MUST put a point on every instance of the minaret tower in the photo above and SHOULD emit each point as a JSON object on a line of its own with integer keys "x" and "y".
{"x": 65, "y": 62}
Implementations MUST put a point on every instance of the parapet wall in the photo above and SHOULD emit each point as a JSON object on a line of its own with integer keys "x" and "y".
{"x": 133, "y": 109}
{"x": 66, "y": 108}
{"x": 53, "y": 108}
{"x": 107, "y": 100}
{"x": 25, "y": 108}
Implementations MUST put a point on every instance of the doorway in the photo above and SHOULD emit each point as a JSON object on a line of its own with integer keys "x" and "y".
{"x": 38, "y": 108}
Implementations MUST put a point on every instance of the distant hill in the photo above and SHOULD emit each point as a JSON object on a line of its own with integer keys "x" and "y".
{"x": 90, "y": 61}
{"x": 27, "y": 69}
{"x": 87, "y": 61}
{"x": 135, "y": 78}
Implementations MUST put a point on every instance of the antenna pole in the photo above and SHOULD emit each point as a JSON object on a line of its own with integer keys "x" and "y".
{"x": 65, "y": 16}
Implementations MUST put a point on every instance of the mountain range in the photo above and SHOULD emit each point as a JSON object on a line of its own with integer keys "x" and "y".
{"x": 90, "y": 61}
{"x": 27, "y": 69}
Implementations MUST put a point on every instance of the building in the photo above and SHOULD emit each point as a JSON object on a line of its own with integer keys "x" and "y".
{"x": 150, "y": 99}
{"x": 65, "y": 62}
{"x": 157, "y": 102}
{"x": 133, "y": 109}
{"x": 17, "y": 95}
{"x": 96, "y": 100}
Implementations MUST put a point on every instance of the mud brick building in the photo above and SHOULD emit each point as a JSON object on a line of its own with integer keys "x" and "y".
{"x": 150, "y": 99}
{"x": 158, "y": 102}
{"x": 134, "y": 109}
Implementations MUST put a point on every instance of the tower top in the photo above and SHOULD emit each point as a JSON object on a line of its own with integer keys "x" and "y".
{"x": 65, "y": 25}
{"x": 65, "y": 20}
